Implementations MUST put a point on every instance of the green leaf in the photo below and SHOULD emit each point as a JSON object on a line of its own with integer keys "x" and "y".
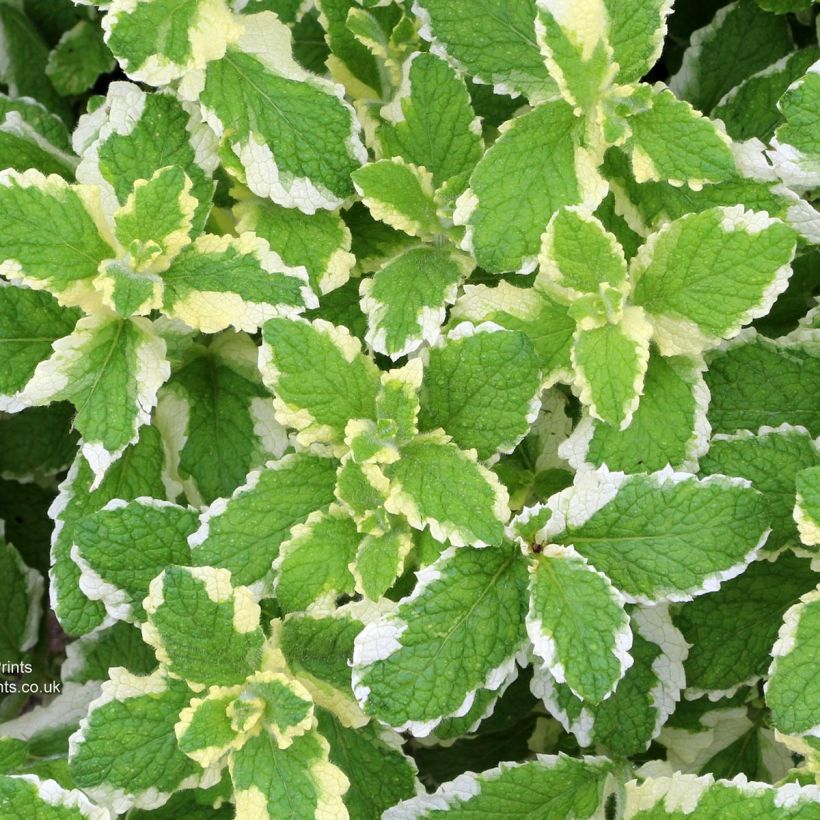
{"x": 737, "y": 263}
{"x": 299, "y": 782}
{"x": 426, "y": 661}
{"x": 740, "y": 40}
{"x": 703, "y": 798}
{"x": 37, "y": 442}
{"x": 218, "y": 417}
{"x": 436, "y": 485}
{"x": 577, "y": 624}
{"x": 380, "y": 774}
{"x": 610, "y": 364}
{"x": 133, "y": 134}
{"x": 640, "y": 530}
{"x": 320, "y": 242}
{"x": 750, "y": 109}
{"x": 124, "y": 546}
{"x": 770, "y": 461}
{"x": 632, "y": 716}
{"x": 157, "y": 42}
{"x": 551, "y": 786}
{"x": 90, "y": 657}
{"x": 669, "y": 426}
{"x": 78, "y": 59}
{"x": 535, "y": 167}
{"x": 125, "y": 753}
{"x": 110, "y": 369}
{"x": 400, "y": 194}
{"x": 21, "y": 605}
{"x": 731, "y": 631}
{"x": 672, "y": 142}
{"x": 30, "y": 322}
{"x": 807, "y": 506}
{"x": 49, "y": 236}
{"x": 262, "y": 100}
{"x": 243, "y": 533}
{"x": 312, "y": 566}
{"x": 796, "y": 153}
{"x": 792, "y": 691}
{"x": 430, "y": 122}
{"x": 202, "y": 628}
{"x": 492, "y": 40}
{"x": 482, "y": 385}
{"x": 140, "y": 472}
{"x": 320, "y": 377}
{"x": 31, "y": 137}
{"x": 25, "y": 56}
{"x": 27, "y": 797}
{"x": 406, "y": 300}
{"x": 223, "y": 281}
{"x": 757, "y": 382}
{"x": 548, "y": 325}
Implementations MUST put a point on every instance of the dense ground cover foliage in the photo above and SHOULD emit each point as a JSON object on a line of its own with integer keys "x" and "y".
{"x": 409, "y": 408}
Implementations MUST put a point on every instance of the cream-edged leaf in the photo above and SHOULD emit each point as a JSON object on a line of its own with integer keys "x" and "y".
{"x": 110, "y": 369}
{"x": 320, "y": 377}
{"x": 300, "y": 781}
{"x": 203, "y": 629}
{"x": 669, "y": 426}
{"x": 577, "y": 624}
{"x": 438, "y": 641}
{"x": 702, "y": 798}
{"x": 125, "y": 753}
{"x": 124, "y": 546}
{"x": 259, "y": 100}
{"x": 792, "y": 689}
{"x": 482, "y": 385}
{"x": 492, "y": 40}
{"x": 312, "y": 565}
{"x": 638, "y": 530}
{"x": 435, "y": 484}
{"x": 549, "y": 786}
{"x": 243, "y": 533}
{"x": 318, "y": 242}
{"x": 158, "y": 42}
{"x": 536, "y": 166}
{"x": 223, "y": 281}
{"x": 29, "y": 796}
{"x": 406, "y": 299}
{"x": 634, "y": 714}
{"x": 610, "y": 365}
{"x": 218, "y": 418}
{"x": 430, "y": 121}
{"x": 736, "y": 264}
{"x": 132, "y": 134}
{"x": 142, "y": 471}
{"x": 51, "y": 236}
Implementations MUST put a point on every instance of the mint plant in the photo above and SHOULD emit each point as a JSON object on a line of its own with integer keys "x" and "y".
{"x": 409, "y": 409}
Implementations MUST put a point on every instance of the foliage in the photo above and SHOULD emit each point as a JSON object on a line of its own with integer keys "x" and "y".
{"x": 409, "y": 409}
